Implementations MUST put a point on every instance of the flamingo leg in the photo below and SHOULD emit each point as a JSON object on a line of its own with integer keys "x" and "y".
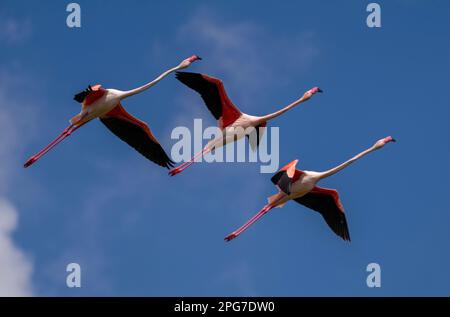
{"x": 67, "y": 131}
{"x": 252, "y": 220}
{"x": 185, "y": 165}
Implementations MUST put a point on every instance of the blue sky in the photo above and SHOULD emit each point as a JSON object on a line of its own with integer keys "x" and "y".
{"x": 136, "y": 231}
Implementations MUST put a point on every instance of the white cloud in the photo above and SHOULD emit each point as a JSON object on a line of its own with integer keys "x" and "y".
{"x": 15, "y": 267}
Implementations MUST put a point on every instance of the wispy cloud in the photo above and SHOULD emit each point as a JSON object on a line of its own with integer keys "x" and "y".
{"x": 251, "y": 60}
{"x": 14, "y": 31}
{"x": 15, "y": 266}
{"x": 16, "y": 123}
{"x": 250, "y": 57}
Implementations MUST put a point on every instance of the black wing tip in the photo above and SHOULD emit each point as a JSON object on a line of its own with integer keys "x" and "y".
{"x": 168, "y": 164}
{"x": 183, "y": 75}
{"x": 163, "y": 161}
{"x": 275, "y": 178}
{"x": 147, "y": 147}
{"x": 343, "y": 231}
{"x": 82, "y": 95}
{"x": 345, "y": 236}
{"x": 283, "y": 181}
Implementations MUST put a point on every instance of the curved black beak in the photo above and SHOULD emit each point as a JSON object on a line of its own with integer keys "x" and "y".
{"x": 319, "y": 90}
{"x": 394, "y": 140}
{"x": 199, "y": 58}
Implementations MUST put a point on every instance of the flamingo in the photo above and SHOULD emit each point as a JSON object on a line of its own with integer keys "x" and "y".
{"x": 301, "y": 186}
{"x": 233, "y": 123}
{"x": 105, "y": 104}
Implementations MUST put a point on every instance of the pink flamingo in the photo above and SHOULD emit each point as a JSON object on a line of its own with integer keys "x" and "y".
{"x": 233, "y": 123}
{"x": 105, "y": 104}
{"x": 301, "y": 186}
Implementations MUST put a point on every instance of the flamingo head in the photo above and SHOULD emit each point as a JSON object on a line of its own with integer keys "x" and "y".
{"x": 188, "y": 61}
{"x": 315, "y": 90}
{"x": 380, "y": 143}
{"x": 311, "y": 92}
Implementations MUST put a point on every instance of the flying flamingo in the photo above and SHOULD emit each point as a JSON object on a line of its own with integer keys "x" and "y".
{"x": 301, "y": 186}
{"x": 233, "y": 123}
{"x": 105, "y": 104}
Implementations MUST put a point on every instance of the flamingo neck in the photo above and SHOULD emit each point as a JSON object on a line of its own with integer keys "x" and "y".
{"x": 281, "y": 111}
{"x": 142, "y": 88}
{"x": 340, "y": 167}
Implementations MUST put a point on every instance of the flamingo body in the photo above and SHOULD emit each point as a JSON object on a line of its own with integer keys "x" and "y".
{"x": 96, "y": 103}
{"x": 233, "y": 122}
{"x": 301, "y": 187}
{"x": 105, "y": 104}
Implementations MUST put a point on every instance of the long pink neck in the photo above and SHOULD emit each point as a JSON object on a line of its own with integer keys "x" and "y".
{"x": 347, "y": 163}
{"x": 138, "y": 90}
{"x": 281, "y": 111}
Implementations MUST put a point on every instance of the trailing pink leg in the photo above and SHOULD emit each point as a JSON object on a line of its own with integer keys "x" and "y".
{"x": 236, "y": 233}
{"x": 261, "y": 213}
{"x": 185, "y": 165}
{"x": 67, "y": 131}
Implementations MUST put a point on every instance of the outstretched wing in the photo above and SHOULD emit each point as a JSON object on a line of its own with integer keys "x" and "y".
{"x": 137, "y": 134}
{"x": 213, "y": 94}
{"x": 327, "y": 203}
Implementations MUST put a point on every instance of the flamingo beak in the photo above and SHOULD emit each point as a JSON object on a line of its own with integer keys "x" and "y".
{"x": 389, "y": 139}
{"x": 199, "y": 58}
{"x": 319, "y": 90}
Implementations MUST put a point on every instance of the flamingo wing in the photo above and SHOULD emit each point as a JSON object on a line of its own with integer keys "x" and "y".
{"x": 137, "y": 134}
{"x": 327, "y": 203}
{"x": 286, "y": 176}
{"x": 79, "y": 97}
{"x": 214, "y": 95}
{"x": 89, "y": 95}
